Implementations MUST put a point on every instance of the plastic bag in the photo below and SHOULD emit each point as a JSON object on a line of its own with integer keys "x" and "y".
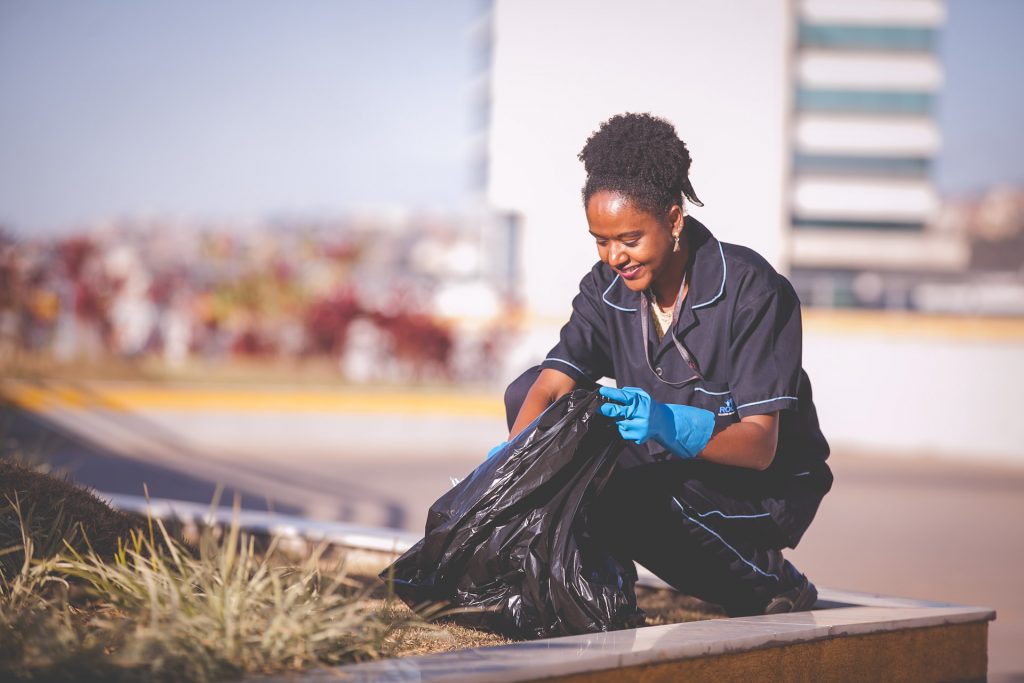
{"x": 509, "y": 548}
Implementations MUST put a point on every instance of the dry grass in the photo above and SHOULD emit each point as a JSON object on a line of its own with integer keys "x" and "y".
{"x": 88, "y": 593}
{"x": 159, "y": 609}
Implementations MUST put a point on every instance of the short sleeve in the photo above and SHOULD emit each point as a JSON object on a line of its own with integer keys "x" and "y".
{"x": 765, "y": 349}
{"x": 582, "y": 351}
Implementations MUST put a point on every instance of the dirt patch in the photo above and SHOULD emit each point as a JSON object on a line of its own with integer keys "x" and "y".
{"x": 54, "y": 510}
{"x": 662, "y": 605}
{"x": 668, "y": 606}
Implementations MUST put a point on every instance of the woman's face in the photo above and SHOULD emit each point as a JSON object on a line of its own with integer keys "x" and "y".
{"x": 635, "y": 243}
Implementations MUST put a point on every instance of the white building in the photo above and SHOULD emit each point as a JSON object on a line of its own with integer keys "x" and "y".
{"x": 866, "y": 81}
{"x": 810, "y": 124}
{"x": 717, "y": 70}
{"x": 811, "y": 127}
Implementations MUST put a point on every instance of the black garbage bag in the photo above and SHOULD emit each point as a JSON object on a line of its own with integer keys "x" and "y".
{"x": 509, "y": 549}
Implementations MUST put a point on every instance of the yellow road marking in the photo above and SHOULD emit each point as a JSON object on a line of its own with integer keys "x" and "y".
{"x": 127, "y": 398}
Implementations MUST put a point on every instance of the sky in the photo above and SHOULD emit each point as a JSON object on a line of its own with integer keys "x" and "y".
{"x": 229, "y": 107}
{"x": 321, "y": 106}
{"x": 982, "y": 106}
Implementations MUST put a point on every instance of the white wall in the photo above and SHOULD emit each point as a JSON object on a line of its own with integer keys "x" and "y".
{"x": 717, "y": 70}
{"x": 898, "y": 389}
{"x": 951, "y": 396}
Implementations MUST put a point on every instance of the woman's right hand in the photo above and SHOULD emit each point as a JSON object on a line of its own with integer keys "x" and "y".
{"x": 683, "y": 430}
{"x": 549, "y": 386}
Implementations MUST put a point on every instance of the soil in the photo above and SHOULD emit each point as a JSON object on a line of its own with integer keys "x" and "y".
{"x": 55, "y": 510}
{"x": 663, "y": 606}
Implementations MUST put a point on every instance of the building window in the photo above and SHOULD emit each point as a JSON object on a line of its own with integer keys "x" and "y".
{"x": 837, "y": 164}
{"x": 803, "y": 223}
{"x": 845, "y": 37}
{"x": 863, "y": 101}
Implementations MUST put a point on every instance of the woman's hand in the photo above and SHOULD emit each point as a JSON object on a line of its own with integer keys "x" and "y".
{"x": 549, "y": 386}
{"x": 683, "y": 430}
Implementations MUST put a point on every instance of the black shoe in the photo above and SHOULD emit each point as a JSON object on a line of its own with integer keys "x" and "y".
{"x": 798, "y": 595}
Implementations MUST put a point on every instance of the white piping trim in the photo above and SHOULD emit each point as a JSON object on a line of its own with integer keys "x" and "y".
{"x": 745, "y": 560}
{"x": 801, "y": 474}
{"x": 720, "y": 289}
{"x": 725, "y": 516}
{"x": 769, "y": 400}
{"x": 576, "y": 367}
{"x": 712, "y": 393}
{"x": 604, "y": 297}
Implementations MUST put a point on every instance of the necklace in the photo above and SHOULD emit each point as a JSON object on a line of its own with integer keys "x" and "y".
{"x": 663, "y": 318}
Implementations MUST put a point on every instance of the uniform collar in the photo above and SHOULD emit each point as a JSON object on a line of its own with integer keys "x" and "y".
{"x": 707, "y": 280}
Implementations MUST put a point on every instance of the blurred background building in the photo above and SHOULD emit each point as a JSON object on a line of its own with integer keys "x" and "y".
{"x": 866, "y": 80}
{"x": 869, "y": 228}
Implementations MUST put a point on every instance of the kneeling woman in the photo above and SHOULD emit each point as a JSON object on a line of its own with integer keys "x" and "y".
{"x": 726, "y": 463}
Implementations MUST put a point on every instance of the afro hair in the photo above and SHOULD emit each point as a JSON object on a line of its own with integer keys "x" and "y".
{"x": 641, "y": 157}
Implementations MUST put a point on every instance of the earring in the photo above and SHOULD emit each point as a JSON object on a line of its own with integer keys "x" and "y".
{"x": 675, "y": 245}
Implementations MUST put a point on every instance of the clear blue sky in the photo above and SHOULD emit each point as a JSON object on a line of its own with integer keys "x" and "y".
{"x": 982, "y": 108}
{"x": 255, "y": 107}
{"x": 230, "y": 106}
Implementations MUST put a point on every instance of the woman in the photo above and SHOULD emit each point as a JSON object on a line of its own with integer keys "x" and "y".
{"x": 725, "y": 463}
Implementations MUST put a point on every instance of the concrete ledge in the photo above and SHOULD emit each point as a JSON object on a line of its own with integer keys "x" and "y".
{"x": 947, "y": 653}
{"x": 847, "y": 643}
{"x": 848, "y": 636}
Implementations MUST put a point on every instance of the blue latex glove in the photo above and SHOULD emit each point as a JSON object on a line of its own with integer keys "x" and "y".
{"x": 683, "y": 430}
{"x": 494, "y": 451}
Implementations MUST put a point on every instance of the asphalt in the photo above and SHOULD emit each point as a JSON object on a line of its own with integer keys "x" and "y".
{"x": 917, "y": 527}
{"x": 928, "y": 529}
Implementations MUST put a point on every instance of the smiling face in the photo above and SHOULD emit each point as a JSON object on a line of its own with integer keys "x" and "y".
{"x": 638, "y": 244}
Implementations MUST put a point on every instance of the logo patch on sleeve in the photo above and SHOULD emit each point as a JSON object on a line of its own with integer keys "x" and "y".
{"x": 727, "y": 408}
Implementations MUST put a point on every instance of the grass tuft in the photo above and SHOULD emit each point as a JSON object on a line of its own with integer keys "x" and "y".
{"x": 88, "y": 593}
{"x": 157, "y": 609}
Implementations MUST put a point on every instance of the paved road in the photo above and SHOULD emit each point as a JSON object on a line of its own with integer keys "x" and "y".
{"x": 919, "y": 528}
{"x": 927, "y": 529}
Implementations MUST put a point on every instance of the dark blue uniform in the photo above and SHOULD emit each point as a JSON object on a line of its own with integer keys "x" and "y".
{"x": 711, "y": 530}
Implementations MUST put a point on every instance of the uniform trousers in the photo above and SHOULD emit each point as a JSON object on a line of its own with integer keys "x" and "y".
{"x": 711, "y": 531}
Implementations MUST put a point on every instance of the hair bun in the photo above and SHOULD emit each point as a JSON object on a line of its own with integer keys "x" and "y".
{"x": 640, "y": 150}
